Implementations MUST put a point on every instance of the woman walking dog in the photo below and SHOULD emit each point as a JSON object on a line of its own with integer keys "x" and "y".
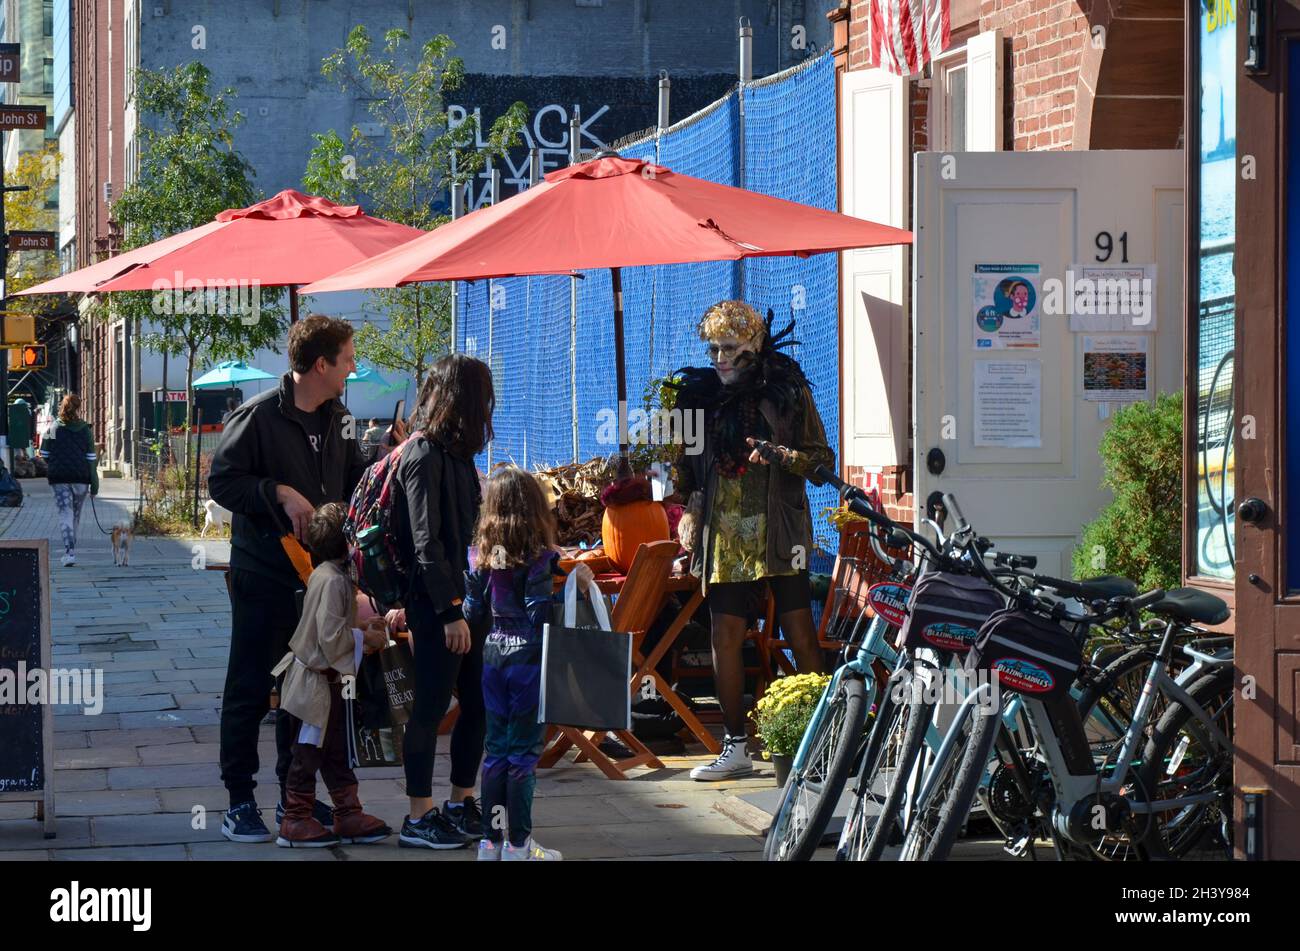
{"x": 69, "y": 453}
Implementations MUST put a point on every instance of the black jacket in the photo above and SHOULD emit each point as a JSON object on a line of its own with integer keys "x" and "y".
{"x": 435, "y": 507}
{"x": 265, "y": 444}
{"x": 69, "y": 453}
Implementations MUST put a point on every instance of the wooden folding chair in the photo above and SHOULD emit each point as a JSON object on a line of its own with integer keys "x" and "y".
{"x": 639, "y": 601}
{"x": 856, "y": 569}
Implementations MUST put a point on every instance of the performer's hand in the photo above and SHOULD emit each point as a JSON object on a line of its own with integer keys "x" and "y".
{"x": 780, "y": 452}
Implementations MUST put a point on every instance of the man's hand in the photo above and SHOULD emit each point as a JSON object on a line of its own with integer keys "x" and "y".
{"x": 375, "y": 635}
{"x": 296, "y": 507}
{"x": 396, "y": 619}
{"x": 458, "y": 640}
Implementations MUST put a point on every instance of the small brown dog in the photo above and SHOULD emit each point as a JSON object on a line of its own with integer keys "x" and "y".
{"x": 122, "y": 535}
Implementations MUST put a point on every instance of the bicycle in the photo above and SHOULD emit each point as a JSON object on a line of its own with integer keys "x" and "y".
{"x": 1079, "y": 797}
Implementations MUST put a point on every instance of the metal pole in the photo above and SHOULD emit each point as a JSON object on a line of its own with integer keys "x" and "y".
{"x": 620, "y": 372}
{"x": 665, "y": 90}
{"x": 6, "y": 455}
{"x": 493, "y": 197}
{"x": 293, "y": 303}
{"x": 746, "y": 76}
{"x": 198, "y": 453}
{"x": 575, "y": 156}
{"x": 457, "y": 209}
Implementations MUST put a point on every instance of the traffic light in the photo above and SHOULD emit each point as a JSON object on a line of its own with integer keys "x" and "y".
{"x": 29, "y": 357}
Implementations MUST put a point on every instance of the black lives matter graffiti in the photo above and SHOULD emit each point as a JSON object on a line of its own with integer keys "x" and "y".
{"x": 608, "y": 109}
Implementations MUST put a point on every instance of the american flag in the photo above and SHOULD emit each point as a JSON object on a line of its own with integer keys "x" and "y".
{"x": 904, "y": 35}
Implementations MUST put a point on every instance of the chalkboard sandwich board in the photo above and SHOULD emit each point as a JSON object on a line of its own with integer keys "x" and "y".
{"x": 26, "y": 728}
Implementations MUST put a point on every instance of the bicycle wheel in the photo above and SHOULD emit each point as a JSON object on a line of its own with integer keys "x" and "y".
{"x": 939, "y": 823}
{"x": 1181, "y": 760}
{"x": 873, "y": 821}
{"x": 813, "y": 790}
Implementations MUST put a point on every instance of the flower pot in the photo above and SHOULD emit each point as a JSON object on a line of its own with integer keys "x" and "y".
{"x": 781, "y": 763}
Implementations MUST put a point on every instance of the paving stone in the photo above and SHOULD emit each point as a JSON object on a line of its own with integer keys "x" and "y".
{"x": 161, "y": 777}
{"x": 24, "y": 834}
{"x": 78, "y": 780}
{"x": 105, "y": 721}
{"x": 107, "y": 802}
{"x": 89, "y": 758}
{"x": 156, "y": 737}
{"x": 133, "y": 721}
{"x": 123, "y": 853}
{"x": 222, "y": 851}
{"x": 153, "y": 829}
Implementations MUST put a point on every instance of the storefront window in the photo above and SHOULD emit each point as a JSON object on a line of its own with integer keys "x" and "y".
{"x": 1216, "y": 140}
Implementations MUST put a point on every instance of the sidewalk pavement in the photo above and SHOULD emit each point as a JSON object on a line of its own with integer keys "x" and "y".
{"x": 140, "y": 780}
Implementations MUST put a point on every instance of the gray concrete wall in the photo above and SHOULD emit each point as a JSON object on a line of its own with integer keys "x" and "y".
{"x": 273, "y": 62}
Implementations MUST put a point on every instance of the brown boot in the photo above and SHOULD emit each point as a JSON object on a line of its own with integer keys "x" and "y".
{"x": 299, "y": 828}
{"x": 351, "y": 824}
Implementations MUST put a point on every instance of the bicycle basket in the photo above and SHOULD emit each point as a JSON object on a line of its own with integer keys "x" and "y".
{"x": 947, "y": 610}
{"x": 1030, "y": 654}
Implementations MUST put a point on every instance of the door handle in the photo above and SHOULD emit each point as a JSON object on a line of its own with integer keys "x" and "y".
{"x": 1252, "y": 510}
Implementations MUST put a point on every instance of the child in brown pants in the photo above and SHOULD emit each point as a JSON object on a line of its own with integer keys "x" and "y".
{"x": 325, "y": 648}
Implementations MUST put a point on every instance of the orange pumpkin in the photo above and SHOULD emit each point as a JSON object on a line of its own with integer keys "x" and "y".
{"x": 628, "y": 525}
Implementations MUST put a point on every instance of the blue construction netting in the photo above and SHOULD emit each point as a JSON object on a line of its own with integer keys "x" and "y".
{"x": 523, "y": 326}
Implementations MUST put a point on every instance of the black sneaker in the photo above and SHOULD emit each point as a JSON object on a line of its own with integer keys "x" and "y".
{"x": 320, "y": 812}
{"x": 465, "y": 816}
{"x": 432, "y": 830}
{"x": 243, "y": 823}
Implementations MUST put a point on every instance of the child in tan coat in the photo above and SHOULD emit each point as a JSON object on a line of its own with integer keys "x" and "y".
{"x": 325, "y": 648}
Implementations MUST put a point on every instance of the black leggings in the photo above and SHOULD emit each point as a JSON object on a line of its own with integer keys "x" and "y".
{"x": 437, "y": 670}
{"x": 743, "y": 598}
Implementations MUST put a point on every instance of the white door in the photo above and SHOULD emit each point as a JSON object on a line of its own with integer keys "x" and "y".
{"x": 1004, "y": 415}
{"x": 873, "y": 372}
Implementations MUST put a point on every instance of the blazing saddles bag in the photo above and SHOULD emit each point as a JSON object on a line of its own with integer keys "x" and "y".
{"x": 947, "y": 610}
{"x": 1030, "y": 654}
{"x": 585, "y": 670}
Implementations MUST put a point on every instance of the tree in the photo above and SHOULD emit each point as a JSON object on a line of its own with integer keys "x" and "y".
{"x": 403, "y": 177}
{"x": 189, "y": 171}
{"x": 27, "y": 211}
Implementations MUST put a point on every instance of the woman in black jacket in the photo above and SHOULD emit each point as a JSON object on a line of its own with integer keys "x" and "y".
{"x": 436, "y": 503}
{"x": 69, "y": 453}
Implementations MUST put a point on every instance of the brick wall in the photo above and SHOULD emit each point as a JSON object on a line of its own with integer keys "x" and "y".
{"x": 1047, "y": 42}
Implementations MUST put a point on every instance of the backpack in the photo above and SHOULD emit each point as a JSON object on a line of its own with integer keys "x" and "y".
{"x": 372, "y": 505}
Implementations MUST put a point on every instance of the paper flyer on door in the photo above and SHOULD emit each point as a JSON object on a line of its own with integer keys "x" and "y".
{"x": 1115, "y": 369}
{"x": 1004, "y": 298}
{"x": 1111, "y": 299}
{"x": 1009, "y": 403}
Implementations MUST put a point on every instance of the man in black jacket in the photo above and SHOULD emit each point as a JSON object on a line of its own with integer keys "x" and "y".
{"x": 282, "y": 454}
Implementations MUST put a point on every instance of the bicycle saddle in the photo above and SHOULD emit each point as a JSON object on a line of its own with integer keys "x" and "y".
{"x": 1188, "y": 604}
{"x": 1106, "y": 587}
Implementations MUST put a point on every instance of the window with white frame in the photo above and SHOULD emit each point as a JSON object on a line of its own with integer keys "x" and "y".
{"x": 966, "y": 96}
{"x": 948, "y": 102}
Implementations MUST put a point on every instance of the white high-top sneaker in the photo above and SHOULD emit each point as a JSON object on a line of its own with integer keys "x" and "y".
{"x": 731, "y": 763}
{"x": 530, "y": 851}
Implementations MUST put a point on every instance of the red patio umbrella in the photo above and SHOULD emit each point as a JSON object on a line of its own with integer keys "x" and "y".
{"x": 287, "y": 240}
{"x": 613, "y": 212}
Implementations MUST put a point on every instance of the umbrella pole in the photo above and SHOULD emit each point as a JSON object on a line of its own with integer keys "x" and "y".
{"x": 620, "y": 374}
{"x": 293, "y": 303}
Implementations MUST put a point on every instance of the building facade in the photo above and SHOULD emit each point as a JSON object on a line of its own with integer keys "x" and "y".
{"x": 597, "y": 59}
